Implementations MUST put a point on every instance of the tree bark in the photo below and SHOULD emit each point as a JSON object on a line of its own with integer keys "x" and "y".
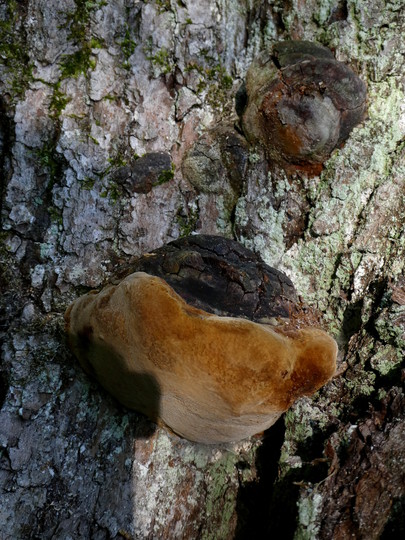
{"x": 87, "y": 91}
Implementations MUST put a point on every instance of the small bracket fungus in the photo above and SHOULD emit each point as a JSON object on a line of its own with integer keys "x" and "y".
{"x": 300, "y": 103}
{"x": 209, "y": 378}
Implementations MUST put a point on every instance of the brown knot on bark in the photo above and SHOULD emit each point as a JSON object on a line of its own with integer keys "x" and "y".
{"x": 300, "y": 103}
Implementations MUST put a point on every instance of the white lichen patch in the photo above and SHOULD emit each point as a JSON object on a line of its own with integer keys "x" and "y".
{"x": 309, "y": 509}
{"x": 300, "y": 421}
{"x": 268, "y": 224}
{"x": 362, "y": 382}
{"x": 385, "y": 359}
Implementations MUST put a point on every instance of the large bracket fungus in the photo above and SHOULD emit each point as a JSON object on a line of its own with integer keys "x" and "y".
{"x": 210, "y": 378}
{"x": 300, "y": 103}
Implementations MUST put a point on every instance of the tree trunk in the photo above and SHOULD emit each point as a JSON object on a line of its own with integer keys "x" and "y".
{"x": 118, "y": 134}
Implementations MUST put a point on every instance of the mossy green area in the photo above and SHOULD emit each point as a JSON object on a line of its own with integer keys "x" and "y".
{"x": 214, "y": 81}
{"x": 113, "y": 191}
{"x": 165, "y": 176}
{"x": 110, "y": 188}
{"x": 79, "y": 62}
{"x": 162, "y": 59}
{"x": 58, "y": 101}
{"x": 50, "y": 160}
{"x": 78, "y": 23}
{"x": 187, "y": 220}
{"x": 128, "y": 46}
{"x": 220, "y": 83}
{"x": 163, "y": 5}
{"x": 13, "y": 51}
{"x": 87, "y": 183}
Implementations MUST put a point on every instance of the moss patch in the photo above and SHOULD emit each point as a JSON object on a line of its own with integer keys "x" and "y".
{"x": 78, "y": 23}
{"x": 13, "y": 50}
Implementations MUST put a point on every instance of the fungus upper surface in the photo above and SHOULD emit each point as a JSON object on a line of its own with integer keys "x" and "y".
{"x": 301, "y": 103}
{"x": 209, "y": 378}
{"x": 220, "y": 276}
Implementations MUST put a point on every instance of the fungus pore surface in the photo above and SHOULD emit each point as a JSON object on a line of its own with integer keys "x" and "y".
{"x": 209, "y": 378}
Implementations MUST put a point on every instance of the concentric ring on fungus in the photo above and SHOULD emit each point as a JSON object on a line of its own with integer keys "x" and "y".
{"x": 301, "y": 103}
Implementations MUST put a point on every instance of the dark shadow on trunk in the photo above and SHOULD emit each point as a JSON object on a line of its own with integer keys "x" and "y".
{"x": 254, "y": 501}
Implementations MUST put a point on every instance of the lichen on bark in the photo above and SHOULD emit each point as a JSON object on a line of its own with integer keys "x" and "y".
{"x": 89, "y": 87}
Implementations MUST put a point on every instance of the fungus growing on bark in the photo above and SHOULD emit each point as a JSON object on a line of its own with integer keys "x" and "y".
{"x": 220, "y": 276}
{"x": 210, "y": 378}
{"x": 300, "y": 103}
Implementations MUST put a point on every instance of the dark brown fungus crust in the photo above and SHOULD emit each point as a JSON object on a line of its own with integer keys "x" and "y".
{"x": 220, "y": 276}
{"x": 301, "y": 104}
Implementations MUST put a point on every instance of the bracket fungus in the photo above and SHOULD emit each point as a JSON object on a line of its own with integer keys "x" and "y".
{"x": 300, "y": 103}
{"x": 209, "y": 378}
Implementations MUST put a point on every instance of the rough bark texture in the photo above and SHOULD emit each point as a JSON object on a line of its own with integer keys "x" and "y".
{"x": 86, "y": 88}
